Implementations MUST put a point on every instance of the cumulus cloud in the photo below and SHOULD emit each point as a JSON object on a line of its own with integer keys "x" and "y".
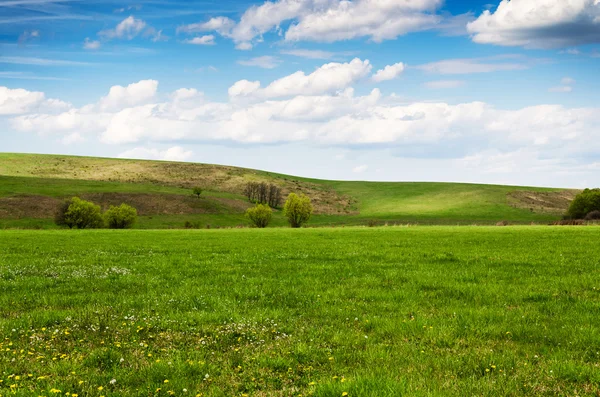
{"x": 390, "y": 72}
{"x": 539, "y": 23}
{"x": 201, "y": 40}
{"x": 18, "y": 101}
{"x": 129, "y": 28}
{"x": 325, "y": 20}
{"x": 319, "y": 108}
{"x": 175, "y": 153}
{"x": 134, "y": 94}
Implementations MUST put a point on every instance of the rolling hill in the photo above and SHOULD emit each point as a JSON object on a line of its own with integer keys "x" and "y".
{"x": 32, "y": 186}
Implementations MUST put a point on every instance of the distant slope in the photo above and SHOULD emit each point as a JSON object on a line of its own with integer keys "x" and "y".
{"x": 31, "y": 186}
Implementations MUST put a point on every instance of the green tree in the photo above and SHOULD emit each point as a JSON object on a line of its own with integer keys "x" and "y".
{"x": 297, "y": 209}
{"x": 121, "y": 217}
{"x": 83, "y": 214}
{"x": 197, "y": 191}
{"x": 60, "y": 217}
{"x": 260, "y": 216}
{"x": 584, "y": 203}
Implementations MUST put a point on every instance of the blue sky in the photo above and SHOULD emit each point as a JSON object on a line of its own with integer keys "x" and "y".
{"x": 473, "y": 91}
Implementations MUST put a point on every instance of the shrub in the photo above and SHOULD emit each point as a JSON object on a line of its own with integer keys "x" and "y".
{"x": 260, "y": 216}
{"x": 593, "y": 216}
{"x": 121, "y": 217}
{"x": 297, "y": 209}
{"x": 83, "y": 214}
{"x": 372, "y": 223}
{"x": 191, "y": 225}
{"x": 197, "y": 191}
{"x": 502, "y": 223}
{"x": 60, "y": 217}
{"x": 584, "y": 203}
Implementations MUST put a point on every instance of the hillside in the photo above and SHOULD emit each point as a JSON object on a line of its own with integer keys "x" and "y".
{"x": 31, "y": 187}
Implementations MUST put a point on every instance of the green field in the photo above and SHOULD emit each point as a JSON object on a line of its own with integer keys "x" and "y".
{"x": 414, "y": 311}
{"x": 32, "y": 186}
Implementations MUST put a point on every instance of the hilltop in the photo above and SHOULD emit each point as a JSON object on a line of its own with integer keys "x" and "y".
{"x": 32, "y": 185}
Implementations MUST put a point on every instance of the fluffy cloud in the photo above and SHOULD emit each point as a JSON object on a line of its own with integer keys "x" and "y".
{"x": 325, "y": 20}
{"x": 175, "y": 153}
{"x": 134, "y": 94}
{"x": 539, "y": 23}
{"x": 18, "y": 101}
{"x": 318, "y": 108}
{"x": 390, "y": 72}
{"x": 128, "y": 29}
{"x": 201, "y": 40}
{"x": 328, "y": 78}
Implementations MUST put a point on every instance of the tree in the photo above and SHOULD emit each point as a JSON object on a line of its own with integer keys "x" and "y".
{"x": 263, "y": 193}
{"x": 197, "y": 191}
{"x": 297, "y": 209}
{"x": 584, "y": 203}
{"x": 121, "y": 217}
{"x": 60, "y": 217}
{"x": 83, "y": 214}
{"x": 260, "y": 216}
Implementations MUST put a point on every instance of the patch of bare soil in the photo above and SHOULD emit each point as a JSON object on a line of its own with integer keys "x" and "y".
{"x": 28, "y": 206}
{"x": 545, "y": 202}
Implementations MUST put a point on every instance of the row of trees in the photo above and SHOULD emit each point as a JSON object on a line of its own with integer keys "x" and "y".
{"x": 263, "y": 193}
{"x": 297, "y": 210}
{"x": 80, "y": 214}
{"x": 586, "y": 205}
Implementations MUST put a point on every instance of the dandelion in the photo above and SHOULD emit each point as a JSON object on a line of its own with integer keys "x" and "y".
{"x": 344, "y": 394}
{"x": 166, "y": 381}
{"x": 100, "y": 388}
{"x": 54, "y": 391}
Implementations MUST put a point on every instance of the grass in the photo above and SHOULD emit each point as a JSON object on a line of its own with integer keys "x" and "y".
{"x": 425, "y": 311}
{"x": 27, "y": 177}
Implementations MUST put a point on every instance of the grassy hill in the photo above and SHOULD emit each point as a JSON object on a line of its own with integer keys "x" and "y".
{"x": 31, "y": 187}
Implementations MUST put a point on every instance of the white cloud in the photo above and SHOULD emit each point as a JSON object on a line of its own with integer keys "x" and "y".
{"x": 325, "y": 20}
{"x": 390, "y": 72}
{"x": 444, "y": 84}
{"x": 567, "y": 81}
{"x": 243, "y": 88}
{"x": 201, "y": 40}
{"x": 132, "y": 95}
{"x": 319, "y": 108}
{"x": 19, "y": 101}
{"x": 129, "y": 28}
{"x": 360, "y": 169}
{"x": 175, "y": 153}
{"x": 265, "y": 62}
{"x": 470, "y": 66}
{"x": 539, "y": 23}
{"x": 91, "y": 44}
{"x": 310, "y": 54}
{"x": 328, "y": 78}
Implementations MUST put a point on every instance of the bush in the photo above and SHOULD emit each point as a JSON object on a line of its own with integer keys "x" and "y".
{"x": 60, "y": 217}
{"x": 593, "y": 216}
{"x": 121, "y": 217}
{"x": 297, "y": 209}
{"x": 263, "y": 193}
{"x": 197, "y": 191}
{"x": 83, "y": 214}
{"x": 584, "y": 203}
{"x": 260, "y": 216}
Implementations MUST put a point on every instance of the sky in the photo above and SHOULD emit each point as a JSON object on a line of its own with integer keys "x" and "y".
{"x": 479, "y": 91}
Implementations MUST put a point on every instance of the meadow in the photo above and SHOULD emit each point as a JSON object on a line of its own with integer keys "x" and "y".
{"x": 390, "y": 311}
{"x": 33, "y": 186}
